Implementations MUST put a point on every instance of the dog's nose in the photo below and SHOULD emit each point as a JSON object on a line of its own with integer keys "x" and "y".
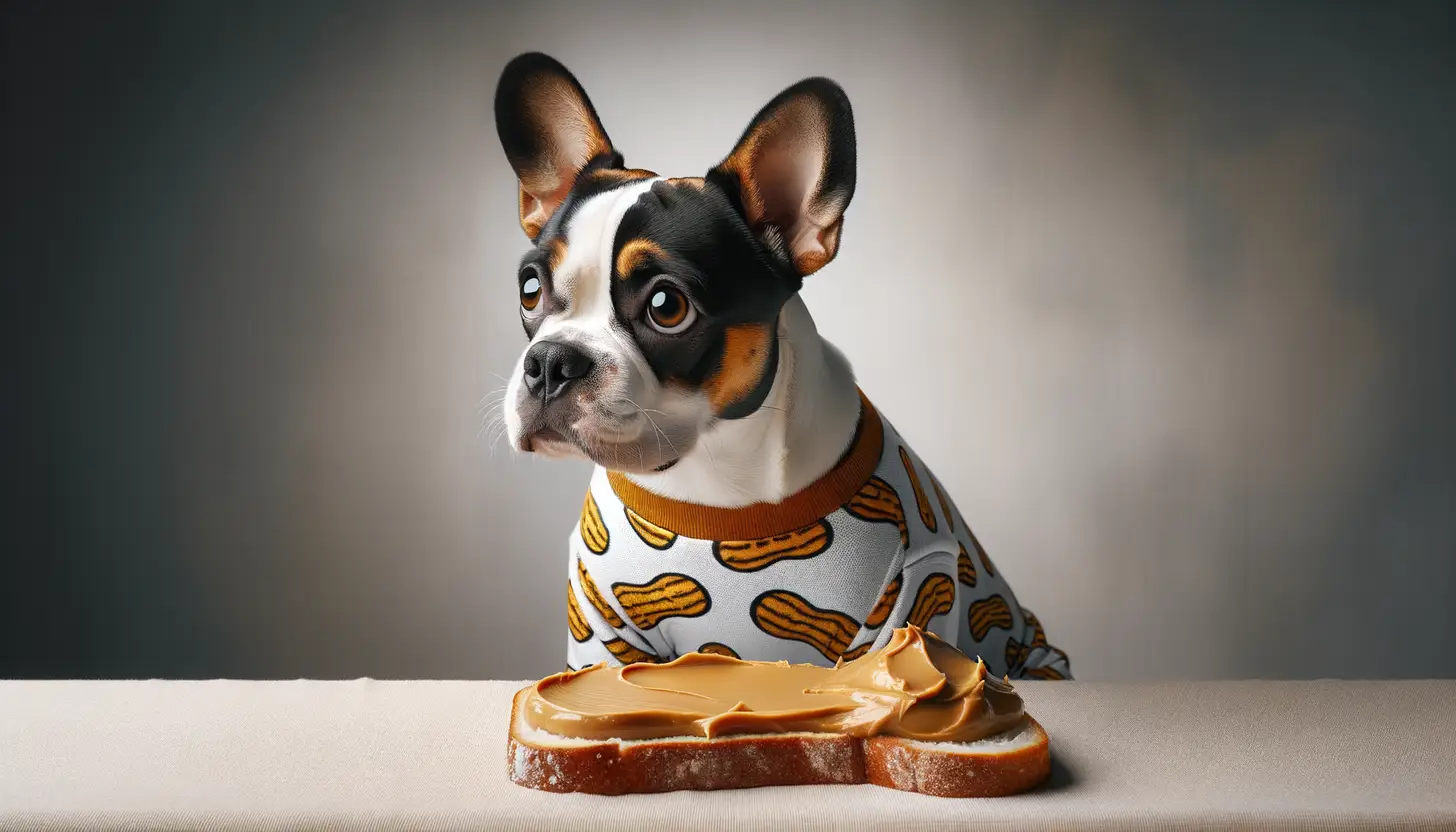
{"x": 551, "y": 366}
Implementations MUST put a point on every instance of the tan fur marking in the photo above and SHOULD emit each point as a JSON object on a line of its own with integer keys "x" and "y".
{"x": 745, "y": 357}
{"x": 556, "y": 253}
{"x": 695, "y": 182}
{"x": 812, "y": 261}
{"x": 532, "y": 214}
{"x": 616, "y": 175}
{"x": 634, "y": 253}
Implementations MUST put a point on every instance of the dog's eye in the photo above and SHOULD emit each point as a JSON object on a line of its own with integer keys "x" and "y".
{"x": 530, "y": 293}
{"x": 669, "y": 311}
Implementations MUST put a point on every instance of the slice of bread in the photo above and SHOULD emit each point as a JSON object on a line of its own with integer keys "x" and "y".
{"x": 1008, "y": 763}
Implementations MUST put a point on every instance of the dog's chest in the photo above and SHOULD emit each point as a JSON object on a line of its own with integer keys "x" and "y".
{"x": 831, "y": 587}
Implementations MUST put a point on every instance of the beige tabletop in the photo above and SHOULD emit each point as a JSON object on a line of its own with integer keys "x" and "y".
{"x": 422, "y": 755}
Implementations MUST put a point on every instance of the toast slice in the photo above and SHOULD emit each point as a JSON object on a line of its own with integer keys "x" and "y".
{"x": 1011, "y": 762}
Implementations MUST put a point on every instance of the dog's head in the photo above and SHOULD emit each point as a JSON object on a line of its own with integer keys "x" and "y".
{"x": 651, "y": 303}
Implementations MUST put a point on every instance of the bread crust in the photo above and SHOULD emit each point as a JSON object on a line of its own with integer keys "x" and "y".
{"x": 648, "y": 766}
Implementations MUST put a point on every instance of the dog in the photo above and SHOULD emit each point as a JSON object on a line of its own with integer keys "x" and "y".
{"x": 748, "y": 498}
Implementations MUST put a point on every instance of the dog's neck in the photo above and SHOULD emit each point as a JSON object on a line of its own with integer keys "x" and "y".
{"x": 797, "y": 435}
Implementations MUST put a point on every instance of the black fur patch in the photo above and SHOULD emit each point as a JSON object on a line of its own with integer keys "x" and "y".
{"x": 715, "y": 259}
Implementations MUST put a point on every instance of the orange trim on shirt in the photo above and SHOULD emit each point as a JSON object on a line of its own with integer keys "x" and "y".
{"x": 760, "y": 520}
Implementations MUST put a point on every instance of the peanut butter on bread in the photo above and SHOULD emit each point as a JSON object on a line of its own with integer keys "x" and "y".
{"x": 916, "y": 687}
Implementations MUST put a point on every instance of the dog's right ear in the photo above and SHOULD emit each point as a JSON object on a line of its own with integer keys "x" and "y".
{"x": 549, "y": 131}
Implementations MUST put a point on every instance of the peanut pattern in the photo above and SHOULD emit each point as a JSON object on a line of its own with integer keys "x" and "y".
{"x": 927, "y": 514}
{"x": 988, "y": 614}
{"x": 936, "y": 596}
{"x": 753, "y": 555}
{"x": 981, "y": 551}
{"x": 652, "y": 534}
{"x": 946, "y": 509}
{"x": 628, "y": 654}
{"x": 885, "y": 604}
{"x": 783, "y": 614}
{"x": 593, "y": 530}
{"x": 1016, "y": 655}
{"x": 595, "y": 598}
{"x": 1038, "y": 638}
{"x": 575, "y": 621}
{"x": 965, "y": 567}
{"x": 668, "y": 595}
{"x": 877, "y": 502}
{"x": 719, "y": 649}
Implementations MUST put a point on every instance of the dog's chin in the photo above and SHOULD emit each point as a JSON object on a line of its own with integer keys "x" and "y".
{"x": 633, "y": 457}
{"x": 627, "y": 457}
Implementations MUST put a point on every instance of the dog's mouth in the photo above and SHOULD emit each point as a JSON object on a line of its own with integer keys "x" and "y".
{"x": 543, "y": 439}
{"x": 615, "y": 438}
{"x": 555, "y": 443}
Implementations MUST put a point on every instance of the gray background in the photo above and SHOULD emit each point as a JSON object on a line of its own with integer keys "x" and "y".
{"x": 1164, "y": 292}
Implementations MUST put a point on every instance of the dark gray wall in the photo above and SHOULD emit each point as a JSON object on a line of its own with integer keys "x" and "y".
{"x": 1164, "y": 291}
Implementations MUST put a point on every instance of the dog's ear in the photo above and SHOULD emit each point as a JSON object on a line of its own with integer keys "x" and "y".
{"x": 549, "y": 131}
{"x": 793, "y": 172}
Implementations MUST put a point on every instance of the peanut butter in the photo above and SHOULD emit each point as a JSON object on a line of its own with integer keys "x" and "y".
{"x": 917, "y": 686}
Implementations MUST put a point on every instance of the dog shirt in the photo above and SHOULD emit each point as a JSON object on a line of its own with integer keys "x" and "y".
{"x": 825, "y": 574}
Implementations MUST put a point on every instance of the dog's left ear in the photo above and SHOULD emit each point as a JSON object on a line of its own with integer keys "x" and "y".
{"x": 793, "y": 172}
{"x": 550, "y": 133}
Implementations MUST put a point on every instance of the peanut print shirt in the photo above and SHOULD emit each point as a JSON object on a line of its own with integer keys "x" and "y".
{"x": 827, "y": 573}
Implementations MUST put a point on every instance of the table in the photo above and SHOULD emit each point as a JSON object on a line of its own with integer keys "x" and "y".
{"x": 430, "y": 755}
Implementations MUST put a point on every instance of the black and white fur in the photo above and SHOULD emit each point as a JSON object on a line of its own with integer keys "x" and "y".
{"x": 746, "y": 403}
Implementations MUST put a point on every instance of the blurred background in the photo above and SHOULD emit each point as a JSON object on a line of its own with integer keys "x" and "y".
{"x": 1165, "y": 293}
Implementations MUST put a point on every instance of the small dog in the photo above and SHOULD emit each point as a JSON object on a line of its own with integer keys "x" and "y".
{"x": 748, "y": 499}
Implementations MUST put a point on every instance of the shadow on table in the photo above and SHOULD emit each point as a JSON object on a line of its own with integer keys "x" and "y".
{"x": 1062, "y": 777}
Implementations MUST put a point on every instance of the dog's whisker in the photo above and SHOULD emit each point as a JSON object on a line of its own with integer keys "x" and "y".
{"x": 494, "y": 396}
{"x": 496, "y": 390}
{"x": 485, "y": 424}
{"x": 662, "y": 434}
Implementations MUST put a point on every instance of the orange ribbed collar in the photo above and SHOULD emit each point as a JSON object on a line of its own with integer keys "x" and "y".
{"x": 758, "y": 520}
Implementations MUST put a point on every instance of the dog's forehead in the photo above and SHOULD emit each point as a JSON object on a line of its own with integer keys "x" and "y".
{"x": 582, "y": 248}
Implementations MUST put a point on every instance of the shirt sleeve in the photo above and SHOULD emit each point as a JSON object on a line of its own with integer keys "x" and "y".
{"x": 596, "y": 631}
{"x": 1035, "y": 657}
